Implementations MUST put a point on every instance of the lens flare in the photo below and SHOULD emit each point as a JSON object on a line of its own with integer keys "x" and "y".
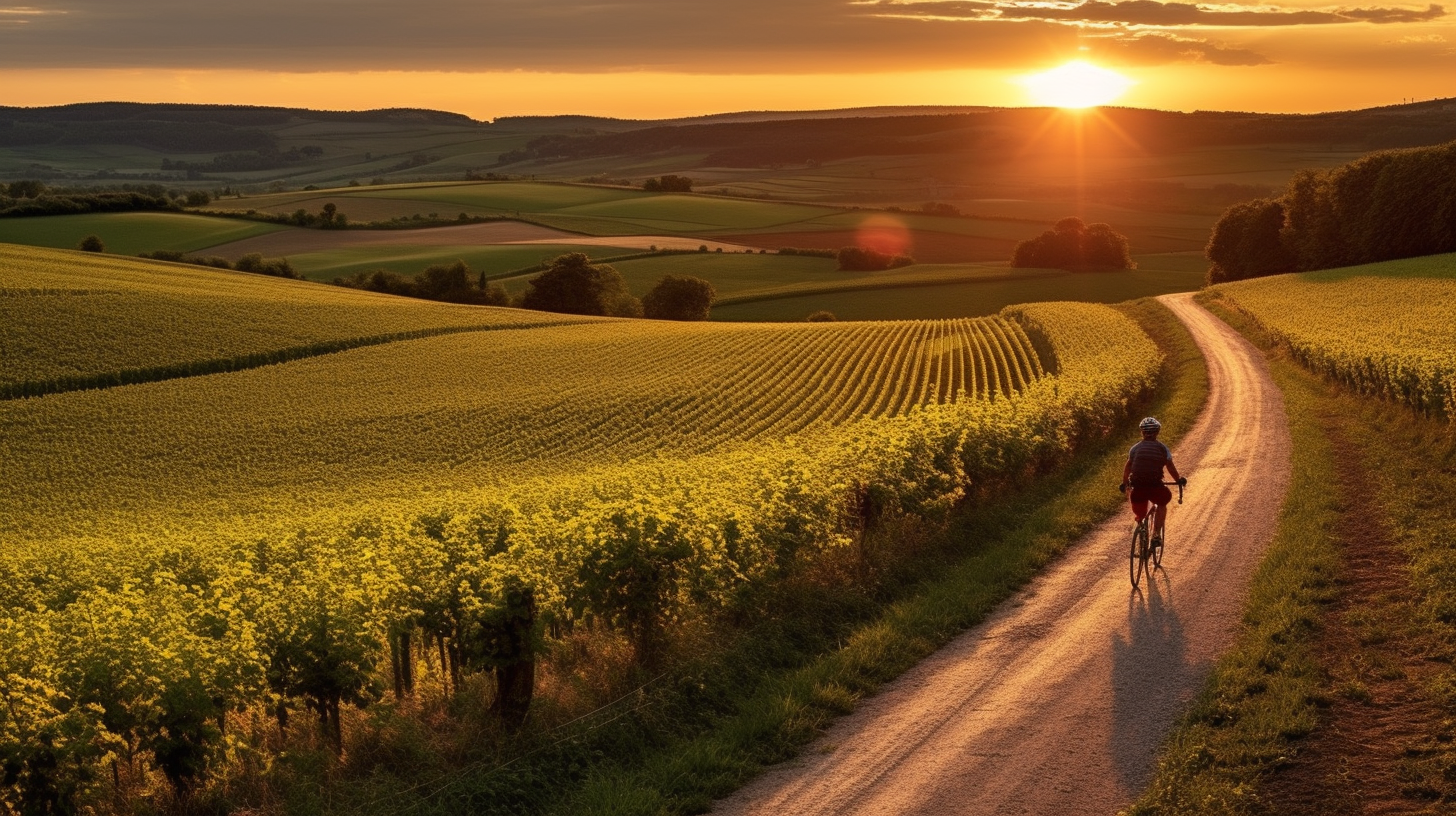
{"x": 883, "y": 233}
{"x": 1077, "y": 84}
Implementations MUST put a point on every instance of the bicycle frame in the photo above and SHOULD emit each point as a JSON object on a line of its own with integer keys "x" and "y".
{"x": 1145, "y": 556}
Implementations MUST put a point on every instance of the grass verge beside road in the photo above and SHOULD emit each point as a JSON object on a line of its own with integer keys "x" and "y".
{"x": 1338, "y": 694}
{"x": 985, "y": 556}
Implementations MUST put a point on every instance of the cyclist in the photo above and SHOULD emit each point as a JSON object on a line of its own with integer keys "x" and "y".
{"x": 1144, "y": 474}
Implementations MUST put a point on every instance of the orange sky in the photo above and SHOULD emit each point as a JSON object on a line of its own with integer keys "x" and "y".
{"x": 666, "y": 58}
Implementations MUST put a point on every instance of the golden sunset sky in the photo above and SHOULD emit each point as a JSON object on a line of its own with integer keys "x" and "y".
{"x": 668, "y": 58}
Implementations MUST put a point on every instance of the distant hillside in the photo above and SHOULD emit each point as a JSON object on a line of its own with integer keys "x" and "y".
{"x": 181, "y": 128}
{"x": 876, "y": 156}
{"x": 235, "y": 115}
{"x": 768, "y": 140}
{"x": 612, "y": 124}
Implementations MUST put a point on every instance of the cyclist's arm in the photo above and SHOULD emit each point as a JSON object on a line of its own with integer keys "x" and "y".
{"x": 1127, "y": 471}
{"x": 1173, "y": 470}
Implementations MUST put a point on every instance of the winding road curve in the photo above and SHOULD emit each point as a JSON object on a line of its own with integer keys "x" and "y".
{"x": 1058, "y": 702}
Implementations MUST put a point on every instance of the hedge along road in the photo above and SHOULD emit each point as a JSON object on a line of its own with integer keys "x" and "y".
{"x": 1058, "y": 702}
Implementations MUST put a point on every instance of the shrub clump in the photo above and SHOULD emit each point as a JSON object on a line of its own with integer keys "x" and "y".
{"x": 572, "y": 285}
{"x": 679, "y": 298}
{"x": 1073, "y": 245}
{"x": 859, "y": 259}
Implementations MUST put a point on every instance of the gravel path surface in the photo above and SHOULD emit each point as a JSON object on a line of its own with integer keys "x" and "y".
{"x": 1058, "y": 702}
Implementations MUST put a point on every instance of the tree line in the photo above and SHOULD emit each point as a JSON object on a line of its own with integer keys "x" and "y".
{"x": 1387, "y": 205}
{"x": 31, "y": 197}
{"x": 252, "y": 262}
{"x": 569, "y": 284}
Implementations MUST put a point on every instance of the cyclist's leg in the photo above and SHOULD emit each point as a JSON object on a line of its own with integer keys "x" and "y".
{"x": 1138, "y": 502}
{"x": 1164, "y": 498}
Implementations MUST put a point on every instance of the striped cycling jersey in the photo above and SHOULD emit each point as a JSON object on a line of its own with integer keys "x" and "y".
{"x": 1148, "y": 458}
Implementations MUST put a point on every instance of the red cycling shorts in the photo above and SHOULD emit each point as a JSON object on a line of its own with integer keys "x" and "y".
{"x": 1140, "y": 496}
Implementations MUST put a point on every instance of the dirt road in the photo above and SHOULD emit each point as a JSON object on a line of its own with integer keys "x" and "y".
{"x": 1058, "y": 702}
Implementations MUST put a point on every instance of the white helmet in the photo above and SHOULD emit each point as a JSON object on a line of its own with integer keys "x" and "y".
{"x": 1150, "y": 425}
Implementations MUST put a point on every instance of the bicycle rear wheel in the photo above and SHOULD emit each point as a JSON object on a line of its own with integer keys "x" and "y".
{"x": 1137, "y": 556}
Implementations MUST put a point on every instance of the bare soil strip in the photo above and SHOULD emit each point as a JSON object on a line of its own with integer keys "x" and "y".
{"x": 1058, "y": 702}
{"x": 299, "y": 241}
{"x": 1378, "y": 714}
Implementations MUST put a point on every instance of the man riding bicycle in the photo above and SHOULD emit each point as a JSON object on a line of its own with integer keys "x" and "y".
{"x": 1144, "y": 474}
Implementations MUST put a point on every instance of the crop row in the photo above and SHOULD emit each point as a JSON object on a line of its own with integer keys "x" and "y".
{"x": 1388, "y": 329}
{"x": 459, "y": 411}
{"x": 140, "y": 648}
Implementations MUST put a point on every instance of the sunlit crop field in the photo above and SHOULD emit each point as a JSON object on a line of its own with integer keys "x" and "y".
{"x": 1387, "y": 329}
{"x": 222, "y": 550}
{"x": 457, "y": 411}
{"x": 70, "y": 319}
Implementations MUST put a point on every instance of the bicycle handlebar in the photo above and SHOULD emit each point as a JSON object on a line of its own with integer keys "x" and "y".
{"x": 1180, "y": 484}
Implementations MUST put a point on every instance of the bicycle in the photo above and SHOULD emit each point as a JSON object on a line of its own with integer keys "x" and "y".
{"x": 1143, "y": 551}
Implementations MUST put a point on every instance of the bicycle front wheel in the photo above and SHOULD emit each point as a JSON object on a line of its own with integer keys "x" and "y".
{"x": 1137, "y": 555}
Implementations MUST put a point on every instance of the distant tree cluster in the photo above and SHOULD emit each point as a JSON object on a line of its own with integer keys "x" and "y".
{"x": 941, "y": 209}
{"x": 567, "y": 284}
{"x": 449, "y": 283}
{"x": 32, "y": 198}
{"x": 809, "y": 253}
{"x": 1387, "y": 205}
{"x": 860, "y": 259}
{"x": 253, "y": 262}
{"x": 668, "y": 184}
{"x": 92, "y": 243}
{"x": 1072, "y": 244}
{"x": 328, "y": 217}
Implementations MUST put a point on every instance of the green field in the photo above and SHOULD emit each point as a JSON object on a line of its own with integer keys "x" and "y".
{"x": 995, "y": 290}
{"x": 130, "y": 233}
{"x": 493, "y": 260}
{"x": 595, "y": 210}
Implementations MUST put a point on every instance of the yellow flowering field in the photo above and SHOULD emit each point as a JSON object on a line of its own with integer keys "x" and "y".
{"x": 1386, "y": 329}
{"x": 180, "y": 559}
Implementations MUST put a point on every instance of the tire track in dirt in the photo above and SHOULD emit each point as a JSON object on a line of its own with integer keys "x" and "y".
{"x": 1058, "y": 702}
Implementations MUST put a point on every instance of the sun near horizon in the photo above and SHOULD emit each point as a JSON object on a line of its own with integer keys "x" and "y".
{"x": 1076, "y": 84}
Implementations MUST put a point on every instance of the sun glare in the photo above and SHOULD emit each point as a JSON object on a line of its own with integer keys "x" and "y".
{"x": 1077, "y": 84}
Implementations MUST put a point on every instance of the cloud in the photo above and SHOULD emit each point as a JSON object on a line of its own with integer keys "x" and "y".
{"x": 22, "y": 15}
{"x": 1145, "y": 13}
{"x": 1158, "y": 48}
{"x": 750, "y": 36}
{"x": 686, "y": 36}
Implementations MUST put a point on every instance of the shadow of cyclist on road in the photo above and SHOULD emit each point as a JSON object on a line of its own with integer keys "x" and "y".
{"x": 1149, "y": 665}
